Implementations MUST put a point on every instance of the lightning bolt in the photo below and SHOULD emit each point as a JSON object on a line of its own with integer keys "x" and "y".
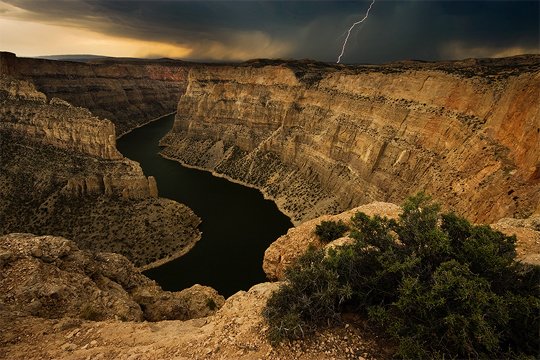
{"x": 350, "y": 29}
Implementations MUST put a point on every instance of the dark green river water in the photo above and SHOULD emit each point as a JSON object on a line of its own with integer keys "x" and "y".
{"x": 238, "y": 223}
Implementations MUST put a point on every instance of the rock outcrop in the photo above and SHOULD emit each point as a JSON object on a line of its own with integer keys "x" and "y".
{"x": 287, "y": 248}
{"x": 127, "y": 92}
{"x": 321, "y": 138}
{"x": 236, "y": 331}
{"x": 50, "y": 277}
{"x": 27, "y": 114}
{"x": 527, "y": 232}
{"x": 61, "y": 174}
{"x": 58, "y": 301}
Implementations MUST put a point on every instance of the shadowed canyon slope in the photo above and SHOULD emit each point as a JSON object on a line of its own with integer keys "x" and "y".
{"x": 129, "y": 93}
{"x": 61, "y": 174}
{"x": 320, "y": 138}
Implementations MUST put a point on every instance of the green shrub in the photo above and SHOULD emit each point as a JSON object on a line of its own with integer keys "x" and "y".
{"x": 330, "y": 230}
{"x": 436, "y": 284}
{"x": 310, "y": 299}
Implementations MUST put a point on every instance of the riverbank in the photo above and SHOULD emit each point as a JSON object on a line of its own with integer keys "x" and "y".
{"x": 188, "y": 246}
{"x": 266, "y": 196}
{"x": 238, "y": 222}
{"x": 184, "y": 250}
{"x": 144, "y": 124}
{"x": 175, "y": 255}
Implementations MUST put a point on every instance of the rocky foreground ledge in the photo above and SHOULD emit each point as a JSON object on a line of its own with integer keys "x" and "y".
{"x": 50, "y": 277}
{"x": 60, "y": 302}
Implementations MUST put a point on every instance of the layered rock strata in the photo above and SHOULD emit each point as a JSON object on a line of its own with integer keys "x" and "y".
{"x": 321, "y": 139}
{"x": 60, "y": 173}
{"x": 50, "y": 277}
{"x": 129, "y": 93}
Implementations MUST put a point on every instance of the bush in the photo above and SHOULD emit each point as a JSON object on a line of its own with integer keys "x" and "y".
{"x": 310, "y": 299}
{"x": 330, "y": 230}
{"x": 436, "y": 284}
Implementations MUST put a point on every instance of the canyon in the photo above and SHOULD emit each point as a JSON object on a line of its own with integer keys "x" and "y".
{"x": 320, "y": 139}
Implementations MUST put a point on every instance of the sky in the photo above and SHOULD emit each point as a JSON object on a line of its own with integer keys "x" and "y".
{"x": 241, "y": 30}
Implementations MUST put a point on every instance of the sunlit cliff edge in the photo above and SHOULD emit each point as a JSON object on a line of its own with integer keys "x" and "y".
{"x": 126, "y": 92}
{"x": 320, "y": 138}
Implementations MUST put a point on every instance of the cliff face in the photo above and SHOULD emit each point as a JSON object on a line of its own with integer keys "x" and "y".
{"x": 61, "y": 174}
{"x": 28, "y": 114}
{"x": 129, "y": 93}
{"x": 321, "y": 139}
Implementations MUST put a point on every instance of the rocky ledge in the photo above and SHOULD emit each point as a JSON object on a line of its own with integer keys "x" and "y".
{"x": 62, "y": 302}
{"x": 320, "y": 138}
{"x": 287, "y": 248}
{"x": 50, "y": 277}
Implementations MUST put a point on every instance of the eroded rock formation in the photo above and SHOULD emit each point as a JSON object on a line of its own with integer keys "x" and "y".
{"x": 50, "y": 277}
{"x": 28, "y": 114}
{"x": 129, "y": 93}
{"x": 321, "y": 139}
{"x": 61, "y": 174}
{"x": 236, "y": 331}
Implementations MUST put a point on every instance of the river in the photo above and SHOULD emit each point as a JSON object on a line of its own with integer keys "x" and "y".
{"x": 238, "y": 223}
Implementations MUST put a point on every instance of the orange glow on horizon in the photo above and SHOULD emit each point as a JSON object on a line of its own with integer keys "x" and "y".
{"x": 27, "y": 38}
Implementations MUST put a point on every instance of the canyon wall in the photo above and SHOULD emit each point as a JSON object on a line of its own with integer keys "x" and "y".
{"x": 61, "y": 174}
{"x": 127, "y": 92}
{"x": 28, "y": 113}
{"x": 321, "y": 138}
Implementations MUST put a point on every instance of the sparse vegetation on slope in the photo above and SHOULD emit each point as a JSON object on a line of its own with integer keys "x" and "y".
{"x": 436, "y": 284}
{"x": 61, "y": 174}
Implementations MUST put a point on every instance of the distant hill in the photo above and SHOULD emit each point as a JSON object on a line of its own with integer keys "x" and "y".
{"x": 78, "y": 57}
{"x": 102, "y": 58}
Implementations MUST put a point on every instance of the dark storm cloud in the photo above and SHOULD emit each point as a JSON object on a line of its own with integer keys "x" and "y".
{"x": 429, "y": 30}
{"x": 309, "y": 29}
